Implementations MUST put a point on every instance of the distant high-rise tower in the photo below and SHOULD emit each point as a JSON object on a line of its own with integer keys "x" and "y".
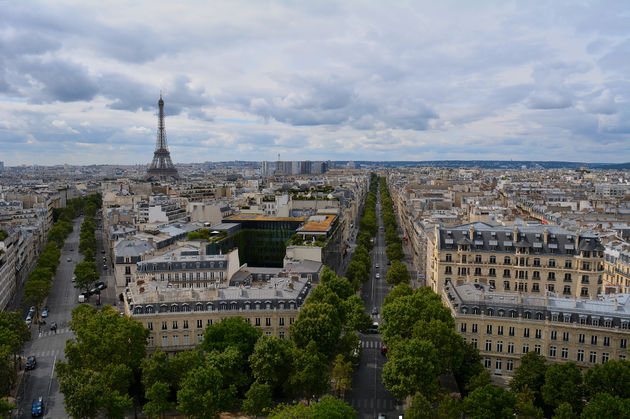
{"x": 161, "y": 167}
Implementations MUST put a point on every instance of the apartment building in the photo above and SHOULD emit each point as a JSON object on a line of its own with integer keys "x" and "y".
{"x": 178, "y": 312}
{"x": 529, "y": 259}
{"x": 506, "y": 325}
{"x": 617, "y": 267}
{"x": 8, "y": 260}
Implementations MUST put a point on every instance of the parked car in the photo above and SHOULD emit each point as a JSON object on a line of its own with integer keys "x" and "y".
{"x": 53, "y": 326}
{"x": 69, "y": 259}
{"x": 31, "y": 362}
{"x": 100, "y": 285}
{"x": 374, "y": 311}
{"x": 37, "y": 408}
{"x": 95, "y": 291}
{"x": 45, "y": 312}
{"x": 29, "y": 319}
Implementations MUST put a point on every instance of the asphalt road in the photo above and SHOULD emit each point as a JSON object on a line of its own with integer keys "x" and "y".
{"x": 368, "y": 396}
{"x": 48, "y": 346}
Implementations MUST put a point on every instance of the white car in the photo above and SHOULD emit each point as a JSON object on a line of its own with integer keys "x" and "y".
{"x": 378, "y": 276}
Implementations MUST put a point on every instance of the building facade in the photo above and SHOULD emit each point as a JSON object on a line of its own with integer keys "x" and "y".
{"x": 527, "y": 259}
{"x": 505, "y": 326}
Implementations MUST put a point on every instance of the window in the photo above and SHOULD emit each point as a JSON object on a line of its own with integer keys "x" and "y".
{"x": 536, "y": 287}
{"x": 592, "y": 357}
{"x": 209, "y": 322}
{"x": 493, "y": 260}
{"x": 580, "y": 355}
{"x": 199, "y": 337}
{"x": 473, "y": 341}
{"x": 509, "y": 365}
{"x": 164, "y": 326}
{"x": 500, "y": 330}
{"x": 257, "y": 321}
{"x": 506, "y": 273}
{"x": 164, "y": 340}
{"x": 552, "y": 351}
{"x": 510, "y": 347}
{"x": 526, "y": 332}
{"x": 551, "y": 276}
{"x": 199, "y": 324}
{"x": 623, "y": 343}
{"x": 500, "y": 346}
{"x": 267, "y": 321}
{"x": 498, "y": 364}
{"x": 511, "y": 331}
{"x": 565, "y": 336}
{"x": 477, "y": 271}
{"x": 462, "y": 328}
{"x": 567, "y": 289}
{"x": 488, "y": 345}
{"x": 150, "y": 339}
{"x": 581, "y": 337}
{"x": 463, "y": 258}
{"x": 506, "y": 260}
{"x": 554, "y": 335}
{"x": 537, "y": 348}
{"x": 551, "y": 287}
{"x": 525, "y": 348}
{"x": 489, "y": 329}
{"x": 150, "y": 325}
{"x": 449, "y": 257}
{"x": 536, "y": 275}
{"x": 175, "y": 324}
{"x": 567, "y": 264}
{"x": 585, "y": 279}
{"x": 605, "y": 357}
{"x": 448, "y": 270}
{"x": 186, "y": 340}
{"x": 474, "y": 327}
{"x": 281, "y": 335}
{"x": 538, "y": 333}
{"x": 175, "y": 340}
{"x": 281, "y": 321}
{"x": 291, "y": 320}
{"x": 185, "y": 324}
{"x": 594, "y": 340}
{"x": 536, "y": 262}
{"x": 492, "y": 272}
{"x": 487, "y": 362}
{"x": 567, "y": 277}
{"x": 565, "y": 353}
{"x": 552, "y": 263}
{"x": 606, "y": 341}
{"x": 477, "y": 258}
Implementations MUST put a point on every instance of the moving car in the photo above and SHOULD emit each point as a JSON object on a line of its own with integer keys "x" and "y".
{"x": 69, "y": 259}
{"x": 31, "y": 362}
{"x": 376, "y": 266}
{"x": 378, "y": 275}
{"x": 29, "y": 319}
{"x": 100, "y": 285}
{"x": 374, "y": 310}
{"x": 45, "y": 312}
{"x": 37, "y": 409}
{"x": 53, "y": 326}
{"x": 373, "y": 329}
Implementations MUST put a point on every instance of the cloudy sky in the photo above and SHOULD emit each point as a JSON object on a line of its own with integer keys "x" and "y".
{"x": 339, "y": 80}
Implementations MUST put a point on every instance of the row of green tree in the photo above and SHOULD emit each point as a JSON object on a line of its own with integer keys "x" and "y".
{"x": 86, "y": 272}
{"x": 394, "y": 250}
{"x": 359, "y": 268}
{"x": 234, "y": 368}
{"x": 13, "y": 335}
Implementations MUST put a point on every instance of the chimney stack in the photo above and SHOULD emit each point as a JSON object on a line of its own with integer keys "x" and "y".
{"x": 545, "y": 235}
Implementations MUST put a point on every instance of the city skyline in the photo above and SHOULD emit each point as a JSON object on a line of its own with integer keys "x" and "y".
{"x": 326, "y": 81}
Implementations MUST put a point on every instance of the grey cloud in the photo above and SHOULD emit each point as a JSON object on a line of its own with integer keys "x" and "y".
{"x": 63, "y": 81}
{"x": 550, "y": 99}
{"x": 617, "y": 59}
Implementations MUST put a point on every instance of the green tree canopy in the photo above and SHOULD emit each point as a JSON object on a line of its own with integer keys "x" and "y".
{"x": 604, "y": 405}
{"x": 233, "y": 331}
{"x": 531, "y": 374}
{"x": 258, "y": 399}
{"x": 310, "y": 375}
{"x": 272, "y": 361}
{"x": 397, "y": 273}
{"x": 612, "y": 377}
{"x": 320, "y": 323}
{"x": 446, "y": 341}
{"x": 563, "y": 383}
{"x": 412, "y": 366}
{"x": 86, "y": 275}
{"x": 490, "y": 402}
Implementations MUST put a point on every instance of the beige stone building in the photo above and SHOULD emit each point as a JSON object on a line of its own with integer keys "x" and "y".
{"x": 178, "y": 317}
{"x": 506, "y": 325}
{"x": 527, "y": 259}
{"x": 617, "y": 267}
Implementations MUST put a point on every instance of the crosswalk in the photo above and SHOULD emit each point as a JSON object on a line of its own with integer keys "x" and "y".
{"x": 47, "y": 353}
{"x": 48, "y": 332}
{"x": 371, "y": 403}
{"x": 371, "y": 344}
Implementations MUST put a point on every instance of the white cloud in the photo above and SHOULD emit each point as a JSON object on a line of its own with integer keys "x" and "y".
{"x": 334, "y": 80}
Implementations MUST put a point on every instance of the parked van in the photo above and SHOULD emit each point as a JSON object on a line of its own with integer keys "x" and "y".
{"x": 82, "y": 298}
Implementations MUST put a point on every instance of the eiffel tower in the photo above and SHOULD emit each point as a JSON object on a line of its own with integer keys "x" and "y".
{"x": 162, "y": 167}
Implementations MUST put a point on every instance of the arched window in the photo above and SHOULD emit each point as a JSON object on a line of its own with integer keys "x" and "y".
{"x": 527, "y": 315}
{"x": 198, "y": 307}
{"x": 209, "y": 307}
{"x": 539, "y": 315}
{"x": 149, "y": 310}
{"x": 163, "y": 308}
{"x": 174, "y": 308}
{"x": 185, "y": 307}
{"x": 490, "y": 312}
{"x": 233, "y": 305}
{"x": 475, "y": 310}
{"x": 138, "y": 310}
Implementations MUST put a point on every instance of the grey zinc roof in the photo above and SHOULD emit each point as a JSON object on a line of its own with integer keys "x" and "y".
{"x": 133, "y": 247}
{"x": 503, "y": 238}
